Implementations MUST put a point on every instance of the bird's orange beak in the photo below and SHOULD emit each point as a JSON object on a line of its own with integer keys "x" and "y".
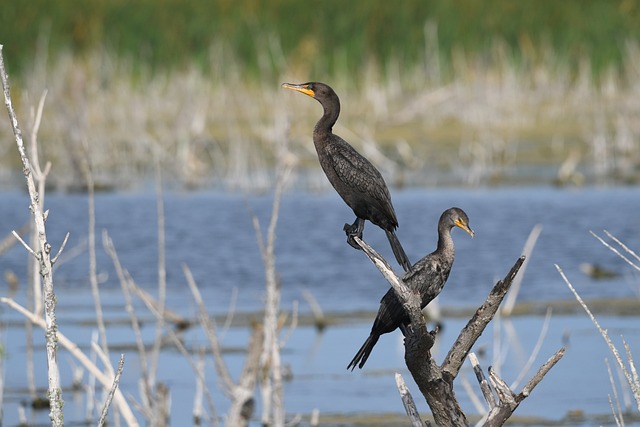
{"x": 460, "y": 223}
{"x": 300, "y": 88}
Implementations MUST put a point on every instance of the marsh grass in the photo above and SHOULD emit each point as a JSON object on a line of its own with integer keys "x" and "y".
{"x": 495, "y": 121}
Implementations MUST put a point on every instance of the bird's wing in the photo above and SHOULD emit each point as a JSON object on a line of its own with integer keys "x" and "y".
{"x": 390, "y": 314}
{"x": 356, "y": 171}
{"x": 428, "y": 276}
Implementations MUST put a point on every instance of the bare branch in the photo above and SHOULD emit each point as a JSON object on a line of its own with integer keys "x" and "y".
{"x": 75, "y": 351}
{"x": 474, "y": 328}
{"x": 26, "y": 246}
{"x": 510, "y": 301}
{"x": 210, "y": 330}
{"x": 535, "y": 380}
{"x": 615, "y": 251}
{"x": 484, "y": 385}
{"x": 64, "y": 243}
{"x": 44, "y": 258}
{"x": 112, "y": 392}
{"x": 536, "y": 349}
{"x": 635, "y": 386}
{"x": 615, "y": 393}
{"x": 407, "y": 401}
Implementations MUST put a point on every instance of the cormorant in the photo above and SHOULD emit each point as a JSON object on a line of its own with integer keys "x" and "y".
{"x": 427, "y": 277}
{"x": 355, "y": 179}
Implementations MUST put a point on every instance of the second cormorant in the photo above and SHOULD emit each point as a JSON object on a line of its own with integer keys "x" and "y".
{"x": 427, "y": 277}
{"x": 355, "y": 179}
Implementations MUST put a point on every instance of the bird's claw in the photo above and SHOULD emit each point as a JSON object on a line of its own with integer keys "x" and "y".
{"x": 351, "y": 230}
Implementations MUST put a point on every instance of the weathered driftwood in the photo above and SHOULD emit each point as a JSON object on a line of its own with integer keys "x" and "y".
{"x": 436, "y": 381}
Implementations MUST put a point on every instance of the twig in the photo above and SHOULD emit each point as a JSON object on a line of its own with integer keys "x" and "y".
{"x": 615, "y": 394}
{"x": 632, "y": 365}
{"x": 194, "y": 366}
{"x": 26, "y": 246}
{"x": 635, "y": 385}
{"x": 536, "y": 349}
{"x": 629, "y": 251}
{"x": 200, "y": 381}
{"x": 162, "y": 278}
{"x": 210, "y": 330}
{"x": 93, "y": 275}
{"x": 125, "y": 285}
{"x": 407, "y": 401}
{"x": 535, "y": 380}
{"x": 484, "y": 385}
{"x": 75, "y": 351}
{"x": 510, "y": 301}
{"x": 508, "y": 401}
{"x": 64, "y": 243}
{"x": 474, "y": 328}
{"x": 9, "y": 240}
{"x": 44, "y": 258}
{"x": 272, "y": 391}
{"x": 112, "y": 392}
{"x": 613, "y": 412}
{"x": 615, "y": 251}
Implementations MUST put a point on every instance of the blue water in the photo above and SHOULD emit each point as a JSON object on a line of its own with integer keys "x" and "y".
{"x": 213, "y": 234}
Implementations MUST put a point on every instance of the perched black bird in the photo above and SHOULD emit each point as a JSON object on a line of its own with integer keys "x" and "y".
{"x": 427, "y": 277}
{"x": 355, "y": 179}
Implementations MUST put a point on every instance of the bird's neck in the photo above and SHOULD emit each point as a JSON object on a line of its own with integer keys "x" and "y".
{"x": 445, "y": 241}
{"x": 328, "y": 119}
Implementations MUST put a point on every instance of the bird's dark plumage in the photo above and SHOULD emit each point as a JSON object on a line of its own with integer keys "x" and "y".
{"x": 427, "y": 277}
{"x": 354, "y": 178}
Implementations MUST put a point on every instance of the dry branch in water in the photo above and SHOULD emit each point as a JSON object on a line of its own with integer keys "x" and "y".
{"x": 436, "y": 382}
{"x": 43, "y": 255}
{"x": 631, "y": 373}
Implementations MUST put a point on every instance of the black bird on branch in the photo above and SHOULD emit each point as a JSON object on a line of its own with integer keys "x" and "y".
{"x": 355, "y": 179}
{"x": 427, "y": 277}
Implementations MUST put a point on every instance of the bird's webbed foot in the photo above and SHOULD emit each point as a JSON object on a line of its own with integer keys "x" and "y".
{"x": 353, "y": 230}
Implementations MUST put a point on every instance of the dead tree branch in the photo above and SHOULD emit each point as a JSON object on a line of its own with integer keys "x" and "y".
{"x": 43, "y": 255}
{"x": 509, "y": 401}
{"x": 436, "y": 382}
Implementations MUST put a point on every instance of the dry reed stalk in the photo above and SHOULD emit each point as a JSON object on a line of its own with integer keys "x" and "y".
{"x": 273, "y": 412}
{"x": 75, "y": 351}
{"x": 200, "y": 385}
{"x": 240, "y": 393}
{"x": 112, "y": 392}
{"x": 93, "y": 275}
{"x": 535, "y": 351}
{"x": 125, "y": 284}
{"x": 162, "y": 280}
{"x": 510, "y": 301}
{"x": 630, "y": 374}
{"x": 43, "y": 256}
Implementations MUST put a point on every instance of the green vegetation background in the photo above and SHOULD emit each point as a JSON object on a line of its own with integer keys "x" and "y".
{"x": 326, "y": 36}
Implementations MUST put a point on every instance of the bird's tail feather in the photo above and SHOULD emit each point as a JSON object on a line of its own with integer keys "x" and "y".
{"x": 363, "y": 354}
{"x": 398, "y": 251}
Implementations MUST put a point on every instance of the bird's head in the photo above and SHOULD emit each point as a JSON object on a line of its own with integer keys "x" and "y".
{"x": 459, "y": 218}
{"x": 317, "y": 90}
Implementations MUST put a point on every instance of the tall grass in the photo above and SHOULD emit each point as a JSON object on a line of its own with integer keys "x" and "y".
{"x": 326, "y": 36}
{"x": 491, "y": 122}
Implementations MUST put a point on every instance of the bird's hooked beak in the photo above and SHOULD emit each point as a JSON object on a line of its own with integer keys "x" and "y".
{"x": 303, "y": 88}
{"x": 462, "y": 224}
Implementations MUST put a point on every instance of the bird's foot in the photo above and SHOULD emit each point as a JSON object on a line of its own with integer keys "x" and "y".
{"x": 352, "y": 230}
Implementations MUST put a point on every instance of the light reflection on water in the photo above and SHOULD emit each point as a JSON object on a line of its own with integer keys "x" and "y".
{"x": 212, "y": 233}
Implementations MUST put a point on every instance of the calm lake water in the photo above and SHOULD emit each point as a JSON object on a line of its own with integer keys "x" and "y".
{"x": 213, "y": 234}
